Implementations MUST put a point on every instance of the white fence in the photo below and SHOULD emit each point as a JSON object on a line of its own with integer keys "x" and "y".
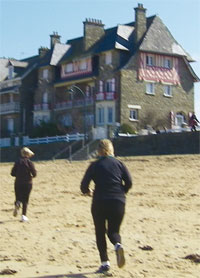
{"x": 26, "y": 141}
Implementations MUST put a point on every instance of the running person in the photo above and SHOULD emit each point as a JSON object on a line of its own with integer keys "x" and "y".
{"x": 23, "y": 171}
{"x": 112, "y": 181}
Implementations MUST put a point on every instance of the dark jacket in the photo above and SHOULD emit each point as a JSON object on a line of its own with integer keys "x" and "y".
{"x": 111, "y": 177}
{"x": 24, "y": 171}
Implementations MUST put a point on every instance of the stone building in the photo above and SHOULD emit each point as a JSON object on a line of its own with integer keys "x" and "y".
{"x": 134, "y": 73}
{"x": 18, "y": 81}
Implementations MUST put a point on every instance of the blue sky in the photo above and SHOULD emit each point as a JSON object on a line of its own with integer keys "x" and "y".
{"x": 25, "y": 25}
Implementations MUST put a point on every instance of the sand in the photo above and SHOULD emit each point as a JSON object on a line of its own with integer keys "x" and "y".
{"x": 162, "y": 216}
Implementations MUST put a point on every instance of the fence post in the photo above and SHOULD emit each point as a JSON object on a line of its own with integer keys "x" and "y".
{"x": 70, "y": 153}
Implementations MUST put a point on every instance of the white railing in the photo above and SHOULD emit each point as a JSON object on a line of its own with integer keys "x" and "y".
{"x": 6, "y": 142}
{"x": 41, "y": 106}
{"x": 9, "y": 107}
{"x": 47, "y": 140}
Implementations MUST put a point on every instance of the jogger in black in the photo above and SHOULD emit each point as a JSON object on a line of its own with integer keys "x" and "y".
{"x": 23, "y": 171}
{"x": 112, "y": 181}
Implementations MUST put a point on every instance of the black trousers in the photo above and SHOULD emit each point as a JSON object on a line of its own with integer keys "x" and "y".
{"x": 107, "y": 216}
{"x": 22, "y": 193}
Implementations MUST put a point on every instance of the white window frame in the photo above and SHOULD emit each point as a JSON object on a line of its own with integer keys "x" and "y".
{"x": 100, "y": 86}
{"x": 167, "y": 63}
{"x": 108, "y": 58}
{"x": 100, "y": 115}
{"x": 83, "y": 65}
{"x": 150, "y": 60}
{"x": 167, "y": 90}
{"x": 110, "y": 113}
{"x": 150, "y": 88}
{"x": 69, "y": 67}
{"x": 179, "y": 120}
{"x": 134, "y": 112}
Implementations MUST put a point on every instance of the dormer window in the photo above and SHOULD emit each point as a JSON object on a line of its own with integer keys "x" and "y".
{"x": 149, "y": 60}
{"x": 69, "y": 68}
{"x": 10, "y": 72}
{"x": 83, "y": 65}
{"x": 108, "y": 58}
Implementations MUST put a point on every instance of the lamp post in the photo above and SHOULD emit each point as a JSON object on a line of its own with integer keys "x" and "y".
{"x": 73, "y": 89}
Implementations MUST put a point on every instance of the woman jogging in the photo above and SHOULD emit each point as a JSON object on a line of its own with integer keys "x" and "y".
{"x": 24, "y": 171}
{"x": 112, "y": 181}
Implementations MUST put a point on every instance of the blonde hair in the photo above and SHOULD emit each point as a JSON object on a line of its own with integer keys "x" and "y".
{"x": 26, "y": 152}
{"x": 106, "y": 148}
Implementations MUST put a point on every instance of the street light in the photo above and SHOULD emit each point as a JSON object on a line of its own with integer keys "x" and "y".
{"x": 84, "y": 114}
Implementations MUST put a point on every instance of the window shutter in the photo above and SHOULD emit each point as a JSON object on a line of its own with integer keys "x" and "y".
{"x": 113, "y": 84}
{"x": 101, "y": 86}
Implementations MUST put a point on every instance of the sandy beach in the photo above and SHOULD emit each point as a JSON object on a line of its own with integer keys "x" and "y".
{"x": 160, "y": 229}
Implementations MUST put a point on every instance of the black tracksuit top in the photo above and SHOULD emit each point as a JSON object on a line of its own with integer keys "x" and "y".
{"x": 111, "y": 177}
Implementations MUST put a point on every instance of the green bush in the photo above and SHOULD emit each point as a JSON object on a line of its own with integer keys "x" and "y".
{"x": 46, "y": 129}
{"x": 126, "y": 128}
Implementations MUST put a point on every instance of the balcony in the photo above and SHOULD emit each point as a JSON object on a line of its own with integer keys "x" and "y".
{"x": 105, "y": 96}
{"x": 63, "y": 105}
{"x": 9, "y": 108}
{"x": 73, "y": 103}
{"x": 41, "y": 107}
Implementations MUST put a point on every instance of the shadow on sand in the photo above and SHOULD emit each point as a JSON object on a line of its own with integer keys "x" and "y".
{"x": 78, "y": 275}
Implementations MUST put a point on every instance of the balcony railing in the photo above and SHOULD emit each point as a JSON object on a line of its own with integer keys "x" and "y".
{"x": 8, "y": 108}
{"x": 106, "y": 96}
{"x": 41, "y": 106}
{"x": 75, "y": 103}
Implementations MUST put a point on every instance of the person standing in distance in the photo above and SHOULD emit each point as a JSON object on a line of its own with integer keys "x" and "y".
{"x": 23, "y": 171}
{"x": 112, "y": 181}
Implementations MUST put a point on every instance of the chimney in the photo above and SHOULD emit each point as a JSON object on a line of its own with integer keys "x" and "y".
{"x": 93, "y": 31}
{"x": 55, "y": 38}
{"x": 140, "y": 22}
{"x": 42, "y": 51}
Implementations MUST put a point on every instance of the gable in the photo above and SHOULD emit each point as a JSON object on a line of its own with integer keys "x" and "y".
{"x": 159, "y": 39}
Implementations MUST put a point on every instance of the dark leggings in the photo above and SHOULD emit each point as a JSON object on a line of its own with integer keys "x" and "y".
{"x": 22, "y": 193}
{"x": 107, "y": 217}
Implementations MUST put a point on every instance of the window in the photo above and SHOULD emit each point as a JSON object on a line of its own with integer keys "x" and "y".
{"x": 110, "y": 85}
{"x": 149, "y": 60}
{"x": 167, "y": 90}
{"x": 45, "y": 73}
{"x": 83, "y": 65}
{"x": 167, "y": 63}
{"x": 133, "y": 114}
{"x": 110, "y": 115}
{"x": 66, "y": 120}
{"x": 69, "y": 68}
{"x": 150, "y": 88}
{"x": 108, "y": 58}
{"x": 101, "y": 115}
{"x": 45, "y": 97}
{"x": 179, "y": 120}
{"x": 10, "y": 124}
{"x": 101, "y": 86}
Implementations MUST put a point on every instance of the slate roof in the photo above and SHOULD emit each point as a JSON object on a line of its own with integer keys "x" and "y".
{"x": 158, "y": 39}
{"x": 54, "y": 55}
{"x": 21, "y": 67}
